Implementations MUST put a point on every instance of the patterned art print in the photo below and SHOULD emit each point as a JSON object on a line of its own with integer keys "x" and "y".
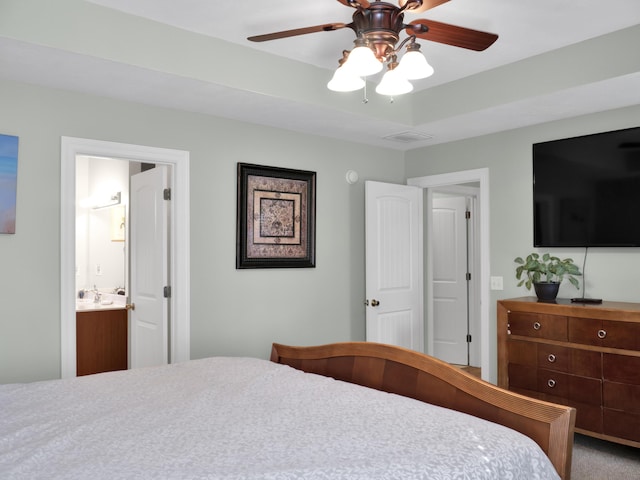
{"x": 277, "y": 208}
{"x": 8, "y": 182}
{"x": 276, "y": 217}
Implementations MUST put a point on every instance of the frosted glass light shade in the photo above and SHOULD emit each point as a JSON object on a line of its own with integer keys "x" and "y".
{"x": 363, "y": 62}
{"x": 393, "y": 83}
{"x": 344, "y": 80}
{"x": 414, "y": 66}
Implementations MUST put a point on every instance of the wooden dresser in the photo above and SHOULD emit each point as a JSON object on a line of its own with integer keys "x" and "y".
{"x": 585, "y": 356}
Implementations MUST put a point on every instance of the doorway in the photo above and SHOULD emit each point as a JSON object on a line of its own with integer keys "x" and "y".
{"x": 481, "y": 178}
{"x": 178, "y": 238}
{"x": 455, "y": 275}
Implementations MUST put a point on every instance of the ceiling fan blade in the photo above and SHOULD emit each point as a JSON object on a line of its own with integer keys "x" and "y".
{"x": 452, "y": 35}
{"x": 327, "y": 27}
{"x": 355, "y": 3}
{"x": 426, "y": 5}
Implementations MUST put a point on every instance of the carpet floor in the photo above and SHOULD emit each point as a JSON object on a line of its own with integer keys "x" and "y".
{"x": 595, "y": 459}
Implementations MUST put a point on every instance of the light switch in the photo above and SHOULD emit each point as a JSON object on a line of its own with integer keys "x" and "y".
{"x": 497, "y": 283}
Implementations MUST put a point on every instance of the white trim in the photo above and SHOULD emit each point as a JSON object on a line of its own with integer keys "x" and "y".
{"x": 480, "y": 175}
{"x": 180, "y": 240}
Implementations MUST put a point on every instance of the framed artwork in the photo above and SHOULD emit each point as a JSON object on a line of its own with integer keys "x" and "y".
{"x": 8, "y": 182}
{"x": 276, "y": 213}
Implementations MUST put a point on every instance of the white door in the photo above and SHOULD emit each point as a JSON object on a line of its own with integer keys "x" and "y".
{"x": 393, "y": 252}
{"x": 450, "y": 284}
{"x": 149, "y": 271}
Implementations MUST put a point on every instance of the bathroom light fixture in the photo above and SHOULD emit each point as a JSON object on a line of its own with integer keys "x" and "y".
{"x": 106, "y": 201}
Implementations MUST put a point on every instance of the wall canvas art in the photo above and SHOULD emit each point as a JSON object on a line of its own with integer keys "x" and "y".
{"x": 8, "y": 182}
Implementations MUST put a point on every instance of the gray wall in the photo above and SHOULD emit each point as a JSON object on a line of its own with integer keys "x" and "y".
{"x": 242, "y": 312}
{"x": 612, "y": 273}
{"x": 233, "y": 312}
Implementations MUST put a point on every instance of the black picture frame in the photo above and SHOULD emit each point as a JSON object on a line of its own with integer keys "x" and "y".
{"x": 276, "y": 216}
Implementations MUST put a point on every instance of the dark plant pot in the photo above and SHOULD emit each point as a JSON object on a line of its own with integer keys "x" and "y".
{"x": 546, "y": 290}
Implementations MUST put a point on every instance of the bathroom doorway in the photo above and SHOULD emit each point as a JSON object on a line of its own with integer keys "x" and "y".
{"x": 72, "y": 148}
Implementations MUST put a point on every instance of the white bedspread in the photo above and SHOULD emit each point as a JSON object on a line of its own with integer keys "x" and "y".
{"x": 243, "y": 418}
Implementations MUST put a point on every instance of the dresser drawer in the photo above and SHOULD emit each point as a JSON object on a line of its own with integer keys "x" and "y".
{"x": 588, "y": 417}
{"x": 621, "y": 396}
{"x": 605, "y": 333}
{"x": 571, "y": 388}
{"x": 583, "y": 363}
{"x": 624, "y": 335}
{"x": 621, "y": 368}
{"x": 621, "y": 424}
{"x": 535, "y": 325}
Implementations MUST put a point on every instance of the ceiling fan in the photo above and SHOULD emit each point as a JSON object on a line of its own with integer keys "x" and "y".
{"x": 377, "y": 26}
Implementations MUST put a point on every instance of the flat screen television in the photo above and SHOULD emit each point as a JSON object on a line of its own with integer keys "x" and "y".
{"x": 586, "y": 191}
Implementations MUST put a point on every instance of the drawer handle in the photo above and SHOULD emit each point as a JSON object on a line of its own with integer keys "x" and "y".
{"x": 602, "y": 334}
{"x": 551, "y": 383}
{"x": 536, "y": 326}
{"x": 551, "y": 358}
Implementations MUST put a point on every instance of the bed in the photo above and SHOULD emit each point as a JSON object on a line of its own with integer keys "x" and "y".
{"x": 302, "y": 415}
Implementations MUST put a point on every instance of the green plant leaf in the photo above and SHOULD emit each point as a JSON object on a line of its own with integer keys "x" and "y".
{"x": 548, "y": 268}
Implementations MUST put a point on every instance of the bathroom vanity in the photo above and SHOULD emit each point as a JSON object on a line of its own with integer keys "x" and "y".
{"x": 101, "y": 338}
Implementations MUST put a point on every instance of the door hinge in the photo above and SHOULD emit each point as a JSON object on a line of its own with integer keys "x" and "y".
{"x": 167, "y": 292}
{"x": 167, "y": 194}
{"x": 468, "y": 276}
{"x": 469, "y": 338}
{"x": 467, "y": 214}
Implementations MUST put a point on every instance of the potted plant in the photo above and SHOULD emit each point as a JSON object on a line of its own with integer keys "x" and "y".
{"x": 546, "y": 273}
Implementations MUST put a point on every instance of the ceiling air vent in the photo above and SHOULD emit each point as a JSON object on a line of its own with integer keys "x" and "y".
{"x": 408, "y": 137}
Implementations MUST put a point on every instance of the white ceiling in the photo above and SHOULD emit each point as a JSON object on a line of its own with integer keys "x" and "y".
{"x": 526, "y": 29}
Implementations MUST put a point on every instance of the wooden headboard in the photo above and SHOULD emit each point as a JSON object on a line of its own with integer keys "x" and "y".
{"x": 416, "y": 375}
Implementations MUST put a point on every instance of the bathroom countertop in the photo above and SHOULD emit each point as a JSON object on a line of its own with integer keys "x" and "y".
{"x": 109, "y": 301}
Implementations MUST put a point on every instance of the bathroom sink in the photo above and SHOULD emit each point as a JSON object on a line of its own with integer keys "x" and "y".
{"x": 107, "y": 301}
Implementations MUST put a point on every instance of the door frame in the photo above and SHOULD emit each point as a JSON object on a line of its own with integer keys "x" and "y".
{"x": 480, "y": 176}
{"x": 179, "y": 238}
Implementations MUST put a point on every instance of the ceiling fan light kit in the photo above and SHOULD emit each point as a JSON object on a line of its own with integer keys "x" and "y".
{"x": 362, "y": 62}
{"x": 377, "y": 26}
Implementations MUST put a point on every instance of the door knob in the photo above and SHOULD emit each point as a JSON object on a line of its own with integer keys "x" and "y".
{"x": 375, "y": 303}
{"x": 130, "y": 306}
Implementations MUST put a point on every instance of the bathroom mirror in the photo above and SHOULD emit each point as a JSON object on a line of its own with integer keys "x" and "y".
{"x": 102, "y": 192}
